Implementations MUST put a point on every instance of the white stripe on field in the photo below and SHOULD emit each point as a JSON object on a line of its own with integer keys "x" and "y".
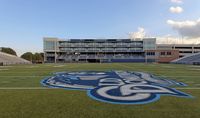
{"x": 191, "y": 88}
{"x": 25, "y": 76}
{"x": 51, "y": 75}
{"x": 23, "y": 88}
{"x": 41, "y": 88}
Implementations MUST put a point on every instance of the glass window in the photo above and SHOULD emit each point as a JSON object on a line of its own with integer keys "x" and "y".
{"x": 162, "y": 53}
{"x": 49, "y": 45}
{"x": 150, "y": 53}
{"x": 169, "y": 53}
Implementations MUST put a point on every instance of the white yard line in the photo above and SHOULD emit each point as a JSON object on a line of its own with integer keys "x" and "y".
{"x": 194, "y": 69}
{"x": 52, "y": 74}
{"x": 23, "y": 88}
{"x": 177, "y": 76}
{"x": 24, "y": 76}
{"x": 43, "y": 88}
{"x": 125, "y": 66}
{"x": 158, "y": 75}
{"x": 189, "y": 88}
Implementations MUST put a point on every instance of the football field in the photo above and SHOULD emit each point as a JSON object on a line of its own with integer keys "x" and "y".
{"x": 23, "y": 96}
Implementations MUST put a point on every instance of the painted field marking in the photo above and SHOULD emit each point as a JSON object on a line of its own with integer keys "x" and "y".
{"x": 168, "y": 67}
{"x": 23, "y": 76}
{"x": 52, "y": 72}
{"x": 179, "y": 76}
{"x": 189, "y": 82}
{"x": 194, "y": 66}
{"x": 194, "y": 69}
{"x": 116, "y": 87}
{"x": 41, "y": 88}
{"x": 58, "y": 66}
{"x": 23, "y": 88}
{"x": 5, "y": 66}
{"x": 32, "y": 66}
{"x": 134, "y": 68}
{"x": 4, "y": 69}
{"x": 190, "y": 88}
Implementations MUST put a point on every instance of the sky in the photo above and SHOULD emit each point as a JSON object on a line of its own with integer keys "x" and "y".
{"x": 24, "y": 23}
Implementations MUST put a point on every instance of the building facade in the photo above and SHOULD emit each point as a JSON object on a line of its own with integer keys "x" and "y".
{"x": 98, "y": 50}
{"x": 184, "y": 49}
{"x": 163, "y": 56}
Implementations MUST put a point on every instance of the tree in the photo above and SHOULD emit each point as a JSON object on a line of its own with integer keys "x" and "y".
{"x": 34, "y": 58}
{"x": 28, "y": 56}
{"x": 8, "y": 51}
{"x": 37, "y": 58}
{"x": 42, "y": 54}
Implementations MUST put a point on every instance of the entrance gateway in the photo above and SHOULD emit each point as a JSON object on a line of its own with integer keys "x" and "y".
{"x": 117, "y": 87}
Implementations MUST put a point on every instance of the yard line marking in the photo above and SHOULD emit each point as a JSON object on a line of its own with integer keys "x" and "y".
{"x": 4, "y": 69}
{"x": 158, "y": 75}
{"x": 25, "y": 76}
{"x": 177, "y": 76}
{"x": 43, "y": 88}
{"x": 192, "y": 88}
{"x": 23, "y": 88}
{"x": 124, "y": 66}
{"x": 50, "y": 75}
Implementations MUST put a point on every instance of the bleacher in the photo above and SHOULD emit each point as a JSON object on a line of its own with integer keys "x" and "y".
{"x": 189, "y": 59}
{"x": 7, "y": 59}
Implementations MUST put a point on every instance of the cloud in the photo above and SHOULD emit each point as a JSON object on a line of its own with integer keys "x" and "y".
{"x": 176, "y": 40}
{"x": 176, "y": 9}
{"x": 177, "y": 1}
{"x": 188, "y": 28}
{"x": 139, "y": 34}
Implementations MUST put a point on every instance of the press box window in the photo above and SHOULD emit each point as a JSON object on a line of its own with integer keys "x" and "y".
{"x": 162, "y": 53}
{"x": 151, "y": 53}
{"x": 169, "y": 53}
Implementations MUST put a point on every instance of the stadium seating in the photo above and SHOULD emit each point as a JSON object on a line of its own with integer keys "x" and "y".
{"x": 7, "y": 59}
{"x": 190, "y": 59}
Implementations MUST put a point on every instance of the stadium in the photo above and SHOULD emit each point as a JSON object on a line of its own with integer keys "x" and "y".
{"x": 118, "y": 50}
{"x": 75, "y": 71}
{"x": 99, "y": 59}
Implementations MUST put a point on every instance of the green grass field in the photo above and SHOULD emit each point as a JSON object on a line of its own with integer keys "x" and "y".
{"x": 22, "y": 95}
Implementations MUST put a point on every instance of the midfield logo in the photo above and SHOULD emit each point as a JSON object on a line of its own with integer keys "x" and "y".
{"x": 117, "y": 87}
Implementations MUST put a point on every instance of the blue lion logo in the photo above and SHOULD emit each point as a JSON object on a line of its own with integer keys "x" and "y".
{"x": 117, "y": 87}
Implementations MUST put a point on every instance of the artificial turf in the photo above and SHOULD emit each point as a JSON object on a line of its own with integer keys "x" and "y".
{"x": 22, "y": 95}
